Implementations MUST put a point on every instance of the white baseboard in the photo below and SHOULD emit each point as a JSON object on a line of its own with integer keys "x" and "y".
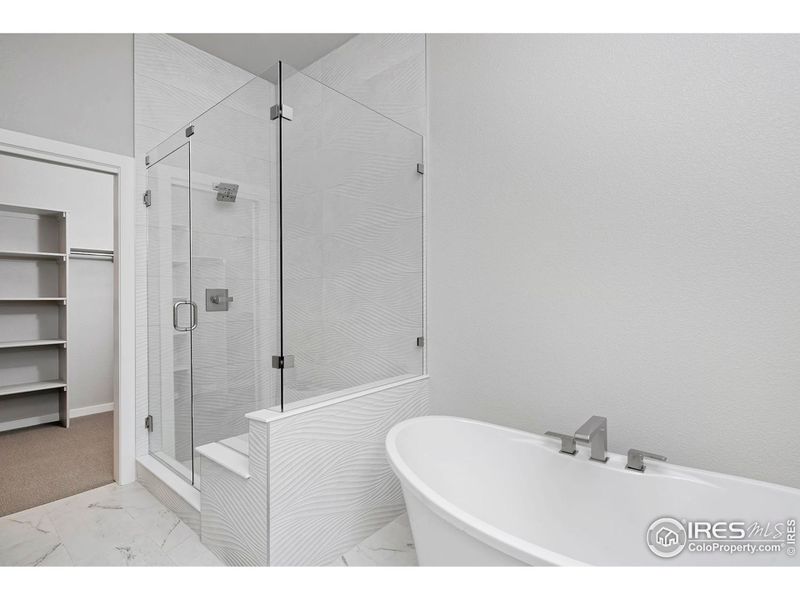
{"x": 91, "y": 410}
{"x": 53, "y": 418}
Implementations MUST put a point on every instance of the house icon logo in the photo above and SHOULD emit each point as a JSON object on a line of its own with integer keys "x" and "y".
{"x": 666, "y": 537}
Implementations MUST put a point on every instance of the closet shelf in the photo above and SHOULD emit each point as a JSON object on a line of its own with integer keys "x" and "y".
{"x": 32, "y": 255}
{"x": 38, "y": 386}
{"x": 31, "y": 343}
{"x": 64, "y": 300}
{"x": 34, "y": 277}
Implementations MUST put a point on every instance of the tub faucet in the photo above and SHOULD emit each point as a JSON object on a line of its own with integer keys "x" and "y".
{"x": 595, "y": 433}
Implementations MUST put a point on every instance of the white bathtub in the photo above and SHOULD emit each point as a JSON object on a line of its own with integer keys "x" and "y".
{"x": 480, "y": 494}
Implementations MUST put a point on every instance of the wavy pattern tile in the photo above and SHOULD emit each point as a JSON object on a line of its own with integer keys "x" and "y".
{"x": 234, "y": 520}
{"x": 175, "y": 83}
{"x": 353, "y": 261}
{"x": 330, "y": 483}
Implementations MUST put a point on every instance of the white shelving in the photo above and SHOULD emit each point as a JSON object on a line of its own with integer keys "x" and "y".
{"x": 60, "y": 299}
{"x": 32, "y": 255}
{"x": 33, "y": 307}
{"x": 31, "y": 343}
{"x": 37, "y": 386}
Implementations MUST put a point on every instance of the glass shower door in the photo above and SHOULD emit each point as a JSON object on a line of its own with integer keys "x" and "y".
{"x": 211, "y": 263}
{"x": 171, "y": 311}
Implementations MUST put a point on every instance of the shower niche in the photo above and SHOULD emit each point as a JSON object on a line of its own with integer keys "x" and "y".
{"x": 284, "y": 262}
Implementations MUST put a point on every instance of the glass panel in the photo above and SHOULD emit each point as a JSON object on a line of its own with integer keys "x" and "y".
{"x": 233, "y": 233}
{"x": 168, "y": 283}
{"x": 351, "y": 212}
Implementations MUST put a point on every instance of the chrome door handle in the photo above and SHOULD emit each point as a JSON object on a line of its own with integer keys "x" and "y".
{"x": 194, "y": 316}
{"x": 175, "y": 325}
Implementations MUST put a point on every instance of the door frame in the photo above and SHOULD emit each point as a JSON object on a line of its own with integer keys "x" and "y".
{"x": 122, "y": 168}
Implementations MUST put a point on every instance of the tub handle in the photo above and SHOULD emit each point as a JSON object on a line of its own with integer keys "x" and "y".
{"x": 636, "y": 459}
{"x": 567, "y": 442}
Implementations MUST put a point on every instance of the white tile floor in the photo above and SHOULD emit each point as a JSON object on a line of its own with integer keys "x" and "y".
{"x": 111, "y": 525}
{"x": 125, "y": 525}
{"x": 391, "y": 546}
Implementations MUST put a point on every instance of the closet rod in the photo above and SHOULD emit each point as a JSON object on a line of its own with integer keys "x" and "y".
{"x": 91, "y": 253}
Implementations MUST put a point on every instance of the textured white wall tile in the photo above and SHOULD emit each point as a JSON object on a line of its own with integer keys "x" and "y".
{"x": 331, "y": 485}
{"x": 175, "y": 83}
{"x": 234, "y": 510}
{"x": 353, "y": 262}
{"x": 383, "y": 71}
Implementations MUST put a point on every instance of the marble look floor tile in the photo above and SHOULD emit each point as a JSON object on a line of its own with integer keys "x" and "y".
{"x": 161, "y": 524}
{"x": 27, "y": 538}
{"x": 57, "y": 557}
{"x": 105, "y": 534}
{"x": 82, "y": 501}
{"x": 391, "y": 546}
{"x": 192, "y": 553}
{"x": 112, "y": 525}
{"x": 137, "y": 550}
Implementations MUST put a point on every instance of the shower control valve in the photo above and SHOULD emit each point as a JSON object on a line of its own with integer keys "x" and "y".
{"x": 217, "y": 299}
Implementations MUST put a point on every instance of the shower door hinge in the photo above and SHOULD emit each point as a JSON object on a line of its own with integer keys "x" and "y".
{"x": 148, "y": 198}
{"x": 148, "y": 423}
{"x": 190, "y": 131}
{"x": 147, "y": 161}
{"x": 283, "y": 362}
{"x": 281, "y": 110}
{"x": 421, "y": 168}
{"x": 420, "y": 341}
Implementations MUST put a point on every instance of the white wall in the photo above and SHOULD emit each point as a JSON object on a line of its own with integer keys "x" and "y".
{"x": 75, "y": 88}
{"x": 614, "y": 230}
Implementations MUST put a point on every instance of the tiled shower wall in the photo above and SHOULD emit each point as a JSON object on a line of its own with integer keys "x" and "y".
{"x": 353, "y": 277}
{"x": 174, "y": 84}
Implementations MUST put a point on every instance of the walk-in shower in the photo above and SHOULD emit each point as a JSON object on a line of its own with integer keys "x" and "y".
{"x": 284, "y": 260}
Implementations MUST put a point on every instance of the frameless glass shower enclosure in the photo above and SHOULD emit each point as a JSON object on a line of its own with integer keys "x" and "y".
{"x": 285, "y": 260}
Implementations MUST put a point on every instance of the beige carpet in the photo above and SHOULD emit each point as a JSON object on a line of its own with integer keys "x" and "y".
{"x": 47, "y": 462}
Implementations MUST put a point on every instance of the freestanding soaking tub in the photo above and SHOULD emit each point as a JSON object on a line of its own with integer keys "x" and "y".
{"x": 480, "y": 494}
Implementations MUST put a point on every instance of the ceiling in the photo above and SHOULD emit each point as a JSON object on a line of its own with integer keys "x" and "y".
{"x": 257, "y": 52}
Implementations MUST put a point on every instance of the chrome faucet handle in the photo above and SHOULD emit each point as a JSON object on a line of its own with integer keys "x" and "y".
{"x": 636, "y": 459}
{"x": 567, "y": 442}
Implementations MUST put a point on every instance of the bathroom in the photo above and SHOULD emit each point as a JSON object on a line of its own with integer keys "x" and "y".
{"x": 403, "y": 299}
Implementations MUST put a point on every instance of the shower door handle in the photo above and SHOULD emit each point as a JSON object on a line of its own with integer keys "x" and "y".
{"x": 175, "y": 325}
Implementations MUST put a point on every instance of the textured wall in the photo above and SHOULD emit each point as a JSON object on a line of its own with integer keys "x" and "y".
{"x": 353, "y": 212}
{"x": 342, "y": 505}
{"x": 331, "y": 485}
{"x": 76, "y": 88}
{"x": 614, "y": 231}
{"x": 353, "y": 245}
{"x": 354, "y": 236}
{"x": 234, "y": 509}
{"x": 385, "y": 72}
{"x": 175, "y": 83}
